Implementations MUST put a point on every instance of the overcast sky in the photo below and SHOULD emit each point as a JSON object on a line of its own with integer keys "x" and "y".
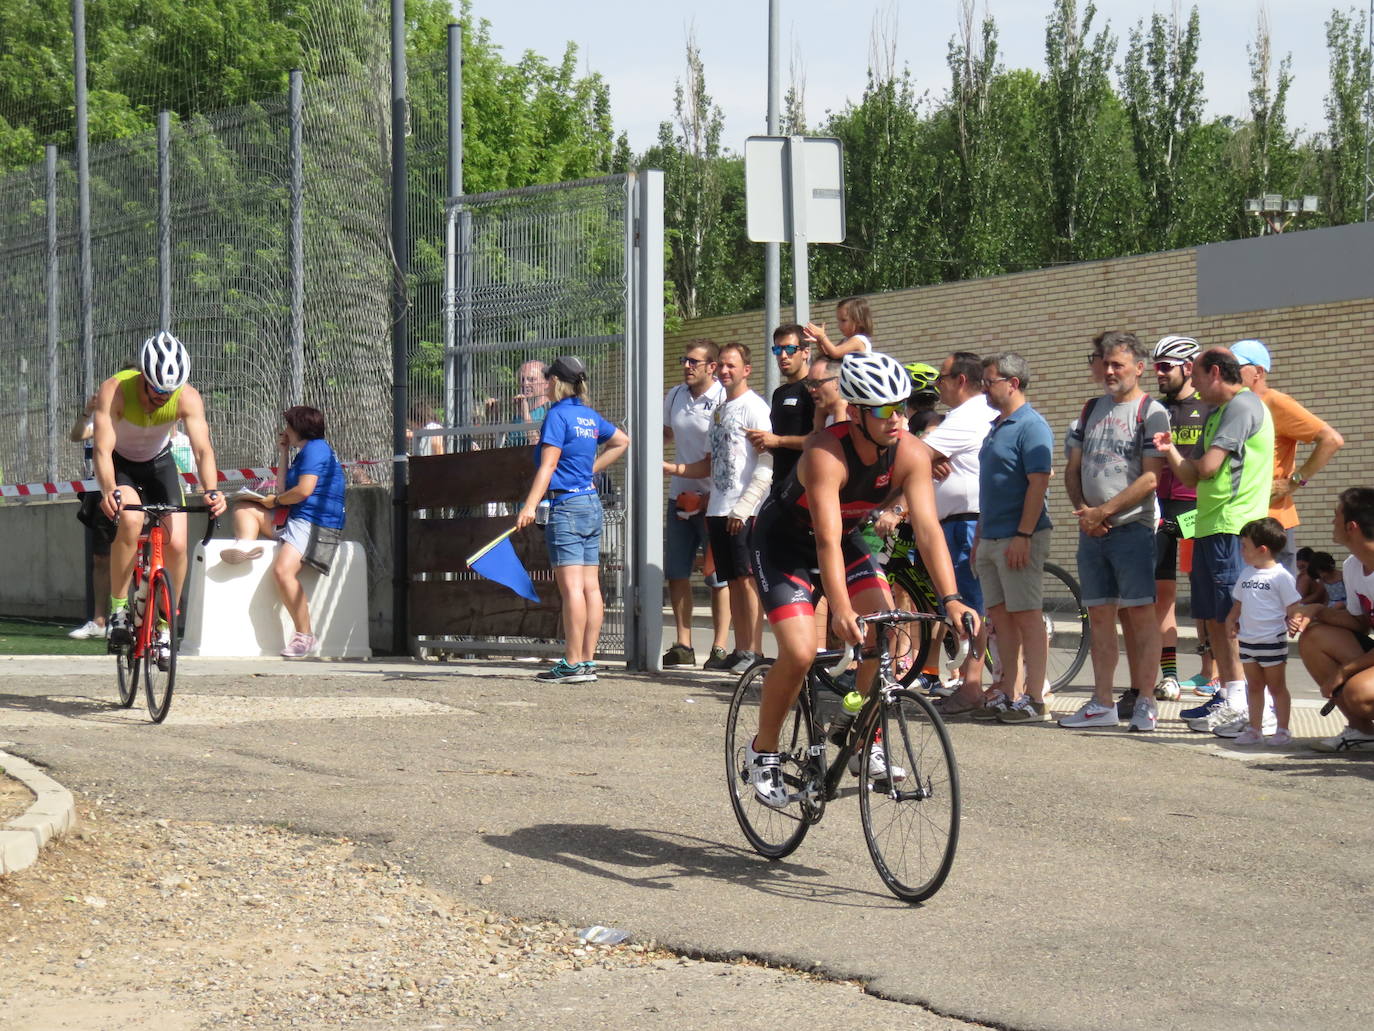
{"x": 638, "y": 47}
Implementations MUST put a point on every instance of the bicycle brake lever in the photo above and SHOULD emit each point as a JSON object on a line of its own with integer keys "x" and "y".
{"x": 847, "y": 655}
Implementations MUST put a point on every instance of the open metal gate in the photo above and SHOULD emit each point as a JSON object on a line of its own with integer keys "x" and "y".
{"x": 572, "y": 268}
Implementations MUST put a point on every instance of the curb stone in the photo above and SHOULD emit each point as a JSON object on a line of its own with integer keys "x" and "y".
{"x": 52, "y": 814}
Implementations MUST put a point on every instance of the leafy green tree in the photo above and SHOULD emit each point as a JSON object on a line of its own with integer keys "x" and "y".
{"x": 1342, "y": 150}
{"x": 1162, "y": 90}
{"x": 1076, "y": 93}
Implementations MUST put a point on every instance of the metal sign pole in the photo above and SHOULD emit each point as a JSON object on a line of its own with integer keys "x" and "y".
{"x": 772, "y": 254}
{"x": 796, "y": 198}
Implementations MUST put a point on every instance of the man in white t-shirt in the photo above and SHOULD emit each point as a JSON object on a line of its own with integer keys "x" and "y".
{"x": 956, "y": 443}
{"x": 687, "y": 411}
{"x": 1336, "y": 645}
{"x": 740, "y": 477}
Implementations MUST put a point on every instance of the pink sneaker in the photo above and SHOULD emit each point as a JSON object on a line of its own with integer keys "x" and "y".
{"x": 1279, "y": 737}
{"x": 1248, "y": 736}
{"x": 299, "y": 646}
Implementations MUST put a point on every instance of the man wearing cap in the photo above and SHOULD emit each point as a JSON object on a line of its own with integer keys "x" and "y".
{"x": 1293, "y": 424}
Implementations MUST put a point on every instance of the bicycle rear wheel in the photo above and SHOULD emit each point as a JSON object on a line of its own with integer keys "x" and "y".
{"x": 772, "y": 832}
{"x": 1066, "y": 623}
{"x": 911, "y": 826}
{"x": 160, "y": 660}
{"x": 127, "y": 667}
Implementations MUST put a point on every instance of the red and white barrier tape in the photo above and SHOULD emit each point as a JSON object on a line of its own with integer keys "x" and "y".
{"x": 63, "y": 487}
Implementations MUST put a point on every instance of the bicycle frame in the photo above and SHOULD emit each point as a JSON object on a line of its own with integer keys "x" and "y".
{"x": 149, "y": 558}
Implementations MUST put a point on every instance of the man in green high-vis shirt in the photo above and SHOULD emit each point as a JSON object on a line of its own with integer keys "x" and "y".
{"x": 1232, "y": 467}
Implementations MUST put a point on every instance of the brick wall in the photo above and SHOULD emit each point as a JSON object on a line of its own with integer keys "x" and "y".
{"x": 1050, "y": 317}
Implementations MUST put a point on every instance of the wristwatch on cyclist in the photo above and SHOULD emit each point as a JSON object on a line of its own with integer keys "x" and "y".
{"x": 956, "y": 596}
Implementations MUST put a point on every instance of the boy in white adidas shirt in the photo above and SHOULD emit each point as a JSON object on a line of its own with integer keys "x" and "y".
{"x": 1266, "y": 602}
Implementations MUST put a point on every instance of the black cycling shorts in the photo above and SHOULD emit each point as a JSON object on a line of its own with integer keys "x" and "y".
{"x": 157, "y": 480}
{"x": 789, "y": 578}
{"x": 1166, "y": 544}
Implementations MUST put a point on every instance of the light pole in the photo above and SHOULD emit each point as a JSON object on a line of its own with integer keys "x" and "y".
{"x": 1277, "y": 212}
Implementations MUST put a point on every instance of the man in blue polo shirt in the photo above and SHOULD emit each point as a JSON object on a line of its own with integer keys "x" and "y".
{"x": 1013, "y": 538}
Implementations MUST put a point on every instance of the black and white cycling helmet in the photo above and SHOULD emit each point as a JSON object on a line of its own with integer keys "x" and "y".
{"x": 873, "y": 380}
{"x": 1176, "y": 349}
{"x": 164, "y": 363}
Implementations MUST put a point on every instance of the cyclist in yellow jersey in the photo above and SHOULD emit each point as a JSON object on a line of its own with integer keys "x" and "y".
{"x": 135, "y": 417}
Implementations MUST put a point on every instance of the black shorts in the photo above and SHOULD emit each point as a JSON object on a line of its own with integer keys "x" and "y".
{"x": 730, "y": 550}
{"x": 157, "y": 480}
{"x": 1166, "y": 544}
{"x": 788, "y": 572}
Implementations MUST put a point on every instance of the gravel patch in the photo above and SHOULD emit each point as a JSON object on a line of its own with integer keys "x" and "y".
{"x": 132, "y": 922}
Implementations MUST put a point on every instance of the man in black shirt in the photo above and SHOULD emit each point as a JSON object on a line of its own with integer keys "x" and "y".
{"x": 793, "y": 411}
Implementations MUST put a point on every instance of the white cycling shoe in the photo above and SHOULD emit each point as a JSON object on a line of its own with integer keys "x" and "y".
{"x": 765, "y": 774}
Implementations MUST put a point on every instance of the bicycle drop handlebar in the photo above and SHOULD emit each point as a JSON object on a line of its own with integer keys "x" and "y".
{"x": 895, "y": 616}
{"x": 162, "y": 510}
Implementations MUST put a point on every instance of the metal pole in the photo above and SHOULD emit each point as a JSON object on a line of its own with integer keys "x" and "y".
{"x": 83, "y": 199}
{"x": 801, "y": 276}
{"x": 645, "y": 604}
{"x": 455, "y": 189}
{"x": 772, "y": 256}
{"x": 50, "y": 175}
{"x": 296, "y": 370}
{"x": 400, "y": 245}
{"x": 164, "y": 220}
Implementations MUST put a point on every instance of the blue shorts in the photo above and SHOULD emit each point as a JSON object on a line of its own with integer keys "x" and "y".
{"x": 959, "y": 539}
{"x": 1216, "y": 568}
{"x": 683, "y": 538}
{"x": 573, "y": 532}
{"x": 1118, "y": 568}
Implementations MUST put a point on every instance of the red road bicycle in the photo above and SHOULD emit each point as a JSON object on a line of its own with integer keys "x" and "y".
{"x": 153, "y": 609}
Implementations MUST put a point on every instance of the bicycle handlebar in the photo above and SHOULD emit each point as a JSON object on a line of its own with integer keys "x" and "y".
{"x": 896, "y": 616}
{"x": 162, "y": 510}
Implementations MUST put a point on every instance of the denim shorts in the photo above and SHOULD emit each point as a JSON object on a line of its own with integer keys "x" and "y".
{"x": 683, "y": 538}
{"x": 1216, "y": 568}
{"x": 959, "y": 539}
{"x": 573, "y": 532}
{"x": 1118, "y": 568}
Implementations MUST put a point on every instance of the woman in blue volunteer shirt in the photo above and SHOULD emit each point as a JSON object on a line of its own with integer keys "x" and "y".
{"x": 312, "y": 505}
{"x": 569, "y": 439}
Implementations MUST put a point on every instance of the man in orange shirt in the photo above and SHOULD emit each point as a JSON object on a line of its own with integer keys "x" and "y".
{"x": 1292, "y": 424}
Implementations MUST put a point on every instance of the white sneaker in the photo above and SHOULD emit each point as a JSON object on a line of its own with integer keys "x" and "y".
{"x": 1348, "y": 740}
{"x": 1144, "y": 716}
{"x": 1091, "y": 716}
{"x": 1220, "y": 716}
{"x": 87, "y": 630}
{"x": 877, "y": 765}
{"x": 1167, "y": 690}
{"x": 1237, "y": 726}
{"x": 765, "y": 774}
{"x": 162, "y": 649}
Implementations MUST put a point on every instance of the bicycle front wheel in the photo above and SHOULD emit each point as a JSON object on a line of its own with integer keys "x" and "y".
{"x": 160, "y": 660}
{"x": 772, "y": 832}
{"x": 1066, "y": 623}
{"x": 911, "y": 818}
{"x": 127, "y": 667}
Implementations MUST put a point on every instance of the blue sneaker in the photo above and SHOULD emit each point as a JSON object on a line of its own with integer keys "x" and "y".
{"x": 588, "y": 672}
{"x": 1200, "y": 685}
{"x": 564, "y": 672}
{"x": 1204, "y": 710}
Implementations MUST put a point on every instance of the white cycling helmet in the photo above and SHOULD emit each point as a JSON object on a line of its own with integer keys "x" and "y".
{"x": 1176, "y": 349}
{"x": 873, "y": 380}
{"x": 164, "y": 363}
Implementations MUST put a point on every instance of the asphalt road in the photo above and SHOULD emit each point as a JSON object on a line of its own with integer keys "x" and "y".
{"x": 1104, "y": 879}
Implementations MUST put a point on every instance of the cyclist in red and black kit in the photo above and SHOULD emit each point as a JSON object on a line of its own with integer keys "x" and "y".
{"x": 1173, "y": 361}
{"x": 806, "y": 541}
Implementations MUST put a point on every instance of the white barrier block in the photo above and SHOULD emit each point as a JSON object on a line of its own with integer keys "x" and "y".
{"x": 234, "y": 610}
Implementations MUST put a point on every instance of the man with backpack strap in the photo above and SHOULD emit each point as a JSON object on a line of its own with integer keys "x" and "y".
{"x": 1112, "y": 472}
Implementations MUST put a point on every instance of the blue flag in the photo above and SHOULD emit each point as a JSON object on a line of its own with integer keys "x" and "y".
{"x": 499, "y": 562}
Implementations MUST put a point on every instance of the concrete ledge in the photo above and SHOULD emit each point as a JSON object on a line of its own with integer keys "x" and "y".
{"x": 52, "y": 814}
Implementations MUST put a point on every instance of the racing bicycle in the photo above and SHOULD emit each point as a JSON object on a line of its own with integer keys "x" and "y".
{"x": 153, "y": 601}
{"x": 911, "y": 822}
{"x": 1066, "y": 617}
